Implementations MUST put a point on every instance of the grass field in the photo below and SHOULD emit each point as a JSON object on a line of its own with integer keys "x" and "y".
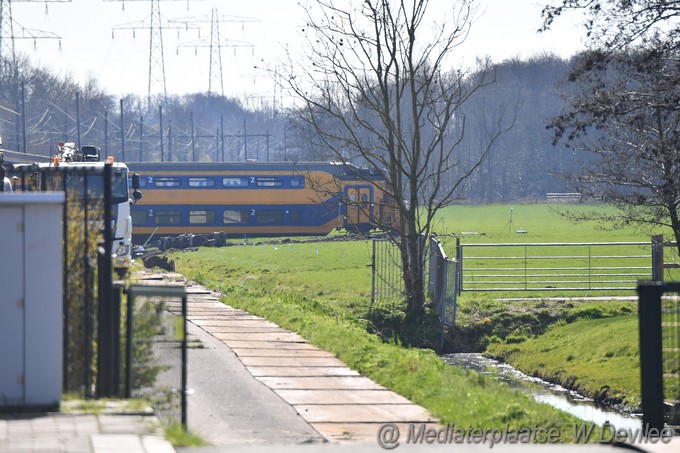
{"x": 542, "y": 223}
{"x": 322, "y": 290}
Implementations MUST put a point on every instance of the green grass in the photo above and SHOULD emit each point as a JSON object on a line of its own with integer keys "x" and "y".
{"x": 596, "y": 357}
{"x": 542, "y": 222}
{"x": 179, "y": 437}
{"x": 481, "y": 321}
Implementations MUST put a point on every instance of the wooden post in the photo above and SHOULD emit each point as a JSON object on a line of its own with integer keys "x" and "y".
{"x": 657, "y": 258}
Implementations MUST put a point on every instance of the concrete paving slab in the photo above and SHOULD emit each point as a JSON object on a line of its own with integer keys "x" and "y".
{"x": 245, "y": 329}
{"x": 364, "y": 413}
{"x": 198, "y": 290}
{"x": 155, "y": 444}
{"x": 268, "y": 345}
{"x": 288, "y": 371}
{"x": 321, "y": 383}
{"x": 221, "y": 322}
{"x": 280, "y": 352}
{"x": 207, "y": 316}
{"x": 292, "y": 361}
{"x": 297, "y": 397}
{"x": 363, "y": 433}
{"x": 117, "y": 443}
{"x": 288, "y": 337}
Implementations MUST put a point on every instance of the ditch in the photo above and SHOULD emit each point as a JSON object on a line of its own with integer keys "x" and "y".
{"x": 545, "y": 392}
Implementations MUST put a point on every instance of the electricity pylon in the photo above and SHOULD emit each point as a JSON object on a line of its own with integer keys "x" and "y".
{"x": 155, "y": 23}
{"x": 215, "y": 43}
{"x": 8, "y": 34}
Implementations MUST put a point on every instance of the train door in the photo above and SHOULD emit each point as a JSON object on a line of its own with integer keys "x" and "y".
{"x": 359, "y": 208}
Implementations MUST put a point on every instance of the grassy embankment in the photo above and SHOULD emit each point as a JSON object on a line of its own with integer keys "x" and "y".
{"x": 587, "y": 345}
{"x": 322, "y": 290}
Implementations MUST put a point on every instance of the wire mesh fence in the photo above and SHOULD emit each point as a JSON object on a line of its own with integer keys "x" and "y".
{"x": 156, "y": 356}
{"x": 387, "y": 281}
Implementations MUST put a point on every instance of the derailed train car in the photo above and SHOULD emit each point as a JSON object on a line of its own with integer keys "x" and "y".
{"x": 254, "y": 199}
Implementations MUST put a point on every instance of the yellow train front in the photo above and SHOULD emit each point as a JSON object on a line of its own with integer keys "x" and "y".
{"x": 254, "y": 199}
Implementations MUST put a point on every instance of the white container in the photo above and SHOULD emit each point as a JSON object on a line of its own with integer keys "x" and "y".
{"x": 31, "y": 324}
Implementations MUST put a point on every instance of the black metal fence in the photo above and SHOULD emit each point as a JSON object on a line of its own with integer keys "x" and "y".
{"x": 659, "y": 316}
{"x": 156, "y": 349}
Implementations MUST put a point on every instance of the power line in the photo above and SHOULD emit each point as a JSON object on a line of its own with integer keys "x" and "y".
{"x": 215, "y": 43}
{"x": 155, "y": 23}
{"x": 8, "y": 33}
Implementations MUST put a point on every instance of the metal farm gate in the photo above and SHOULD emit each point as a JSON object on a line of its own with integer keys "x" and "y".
{"x": 554, "y": 266}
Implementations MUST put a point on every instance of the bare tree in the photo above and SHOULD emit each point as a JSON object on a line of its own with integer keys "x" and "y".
{"x": 624, "y": 116}
{"x": 378, "y": 92}
{"x": 615, "y": 24}
{"x": 623, "y": 109}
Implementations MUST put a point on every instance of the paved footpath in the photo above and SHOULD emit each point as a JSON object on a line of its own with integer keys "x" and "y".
{"x": 339, "y": 404}
{"x": 109, "y": 431}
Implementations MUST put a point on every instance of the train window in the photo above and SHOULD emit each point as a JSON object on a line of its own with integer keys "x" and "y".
{"x": 205, "y": 217}
{"x": 364, "y": 201}
{"x": 201, "y": 182}
{"x": 295, "y": 216}
{"x": 267, "y": 216}
{"x": 235, "y": 216}
{"x": 296, "y": 181}
{"x": 269, "y": 182}
{"x": 235, "y": 182}
{"x": 138, "y": 218}
{"x": 352, "y": 200}
{"x": 167, "y": 217}
{"x": 167, "y": 182}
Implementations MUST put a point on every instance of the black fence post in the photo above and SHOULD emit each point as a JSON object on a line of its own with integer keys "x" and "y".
{"x": 66, "y": 293}
{"x": 89, "y": 289}
{"x": 128, "y": 343}
{"x": 105, "y": 306}
{"x": 185, "y": 336}
{"x": 459, "y": 266}
{"x": 651, "y": 355}
{"x": 117, "y": 290}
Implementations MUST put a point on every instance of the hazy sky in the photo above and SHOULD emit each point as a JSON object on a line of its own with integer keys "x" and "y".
{"x": 119, "y": 59}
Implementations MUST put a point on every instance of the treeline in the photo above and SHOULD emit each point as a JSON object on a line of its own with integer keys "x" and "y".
{"x": 42, "y": 109}
{"x": 524, "y": 165}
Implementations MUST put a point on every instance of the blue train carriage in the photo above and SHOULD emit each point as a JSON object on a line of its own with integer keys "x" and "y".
{"x": 258, "y": 199}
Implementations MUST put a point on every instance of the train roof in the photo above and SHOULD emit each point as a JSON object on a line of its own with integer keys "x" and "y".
{"x": 85, "y": 166}
{"x": 16, "y": 157}
{"x": 335, "y": 168}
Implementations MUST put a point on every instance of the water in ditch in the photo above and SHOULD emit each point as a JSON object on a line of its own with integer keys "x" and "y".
{"x": 542, "y": 391}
